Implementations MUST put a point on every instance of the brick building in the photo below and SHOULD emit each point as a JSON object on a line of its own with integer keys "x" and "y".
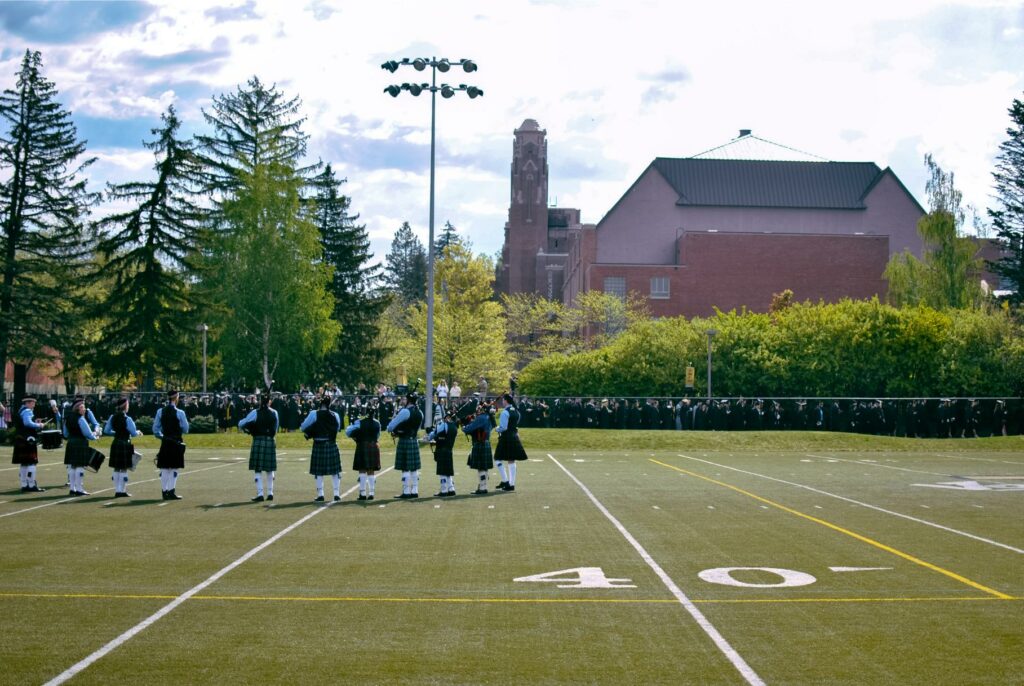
{"x": 726, "y": 228}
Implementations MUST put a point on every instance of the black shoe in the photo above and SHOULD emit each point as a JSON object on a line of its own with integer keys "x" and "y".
{"x": 403, "y": 496}
{"x": 480, "y": 491}
{"x": 442, "y": 494}
{"x": 361, "y": 497}
{"x": 36, "y": 489}
{"x": 510, "y": 488}
{"x": 318, "y": 499}
{"x": 502, "y": 486}
{"x": 451, "y": 494}
{"x": 258, "y": 499}
{"x": 414, "y": 495}
{"x": 171, "y": 495}
{"x": 270, "y": 497}
{"x": 73, "y": 494}
{"x": 337, "y": 498}
{"x": 122, "y": 495}
{"x": 369, "y": 497}
{"x": 163, "y": 494}
{"x": 26, "y": 489}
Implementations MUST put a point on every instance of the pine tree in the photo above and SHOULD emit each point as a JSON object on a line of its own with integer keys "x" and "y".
{"x": 449, "y": 236}
{"x": 148, "y": 252}
{"x": 405, "y": 271}
{"x": 1008, "y": 221}
{"x": 358, "y": 302}
{"x": 43, "y": 209}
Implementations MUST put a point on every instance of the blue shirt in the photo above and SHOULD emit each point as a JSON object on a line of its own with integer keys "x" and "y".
{"x": 440, "y": 429}
{"x": 28, "y": 419}
{"x": 402, "y": 415}
{"x": 108, "y": 430}
{"x": 481, "y": 423}
{"x": 84, "y": 427}
{"x": 352, "y": 428}
{"x": 251, "y": 417}
{"x": 158, "y": 429}
{"x": 311, "y": 420}
{"x": 503, "y": 421}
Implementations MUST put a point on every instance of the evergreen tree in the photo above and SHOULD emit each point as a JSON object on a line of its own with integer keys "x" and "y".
{"x": 358, "y": 302}
{"x": 449, "y": 236}
{"x": 43, "y": 208}
{"x": 1008, "y": 221}
{"x": 405, "y": 271}
{"x": 148, "y": 251}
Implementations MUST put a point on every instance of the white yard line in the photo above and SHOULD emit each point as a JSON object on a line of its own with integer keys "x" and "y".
{"x": 749, "y": 675}
{"x": 885, "y": 466}
{"x": 977, "y": 459}
{"x": 41, "y": 464}
{"x": 862, "y": 504}
{"x": 69, "y": 499}
{"x": 169, "y": 607}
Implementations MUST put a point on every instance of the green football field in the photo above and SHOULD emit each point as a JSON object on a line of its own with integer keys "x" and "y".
{"x": 674, "y": 565}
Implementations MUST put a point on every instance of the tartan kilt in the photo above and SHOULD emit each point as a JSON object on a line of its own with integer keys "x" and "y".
{"x": 171, "y": 455}
{"x": 121, "y": 451}
{"x": 510, "y": 448}
{"x": 407, "y": 455}
{"x": 325, "y": 459}
{"x": 445, "y": 462}
{"x": 367, "y": 457}
{"x": 263, "y": 454}
{"x": 480, "y": 457}
{"x": 25, "y": 452}
{"x": 77, "y": 453}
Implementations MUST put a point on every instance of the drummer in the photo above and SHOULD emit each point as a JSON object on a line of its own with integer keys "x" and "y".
{"x": 78, "y": 453}
{"x": 25, "y": 448}
{"x": 122, "y": 428}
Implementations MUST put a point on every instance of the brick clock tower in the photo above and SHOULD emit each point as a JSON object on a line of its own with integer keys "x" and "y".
{"x": 534, "y": 254}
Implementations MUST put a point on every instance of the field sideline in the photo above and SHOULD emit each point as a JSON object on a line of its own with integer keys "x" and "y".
{"x": 622, "y": 557}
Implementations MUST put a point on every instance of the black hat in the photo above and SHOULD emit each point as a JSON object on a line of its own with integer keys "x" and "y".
{"x": 172, "y": 394}
{"x": 123, "y": 400}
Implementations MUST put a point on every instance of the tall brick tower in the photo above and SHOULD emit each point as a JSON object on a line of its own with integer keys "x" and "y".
{"x": 526, "y": 231}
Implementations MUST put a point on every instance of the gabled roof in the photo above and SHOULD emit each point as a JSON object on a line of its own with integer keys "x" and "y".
{"x": 768, "y": 183}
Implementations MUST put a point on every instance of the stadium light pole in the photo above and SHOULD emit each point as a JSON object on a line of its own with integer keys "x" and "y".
{"x": 436, "y": 65}
{"x": 204, "y": 328}
{"x": 711, "y": 334}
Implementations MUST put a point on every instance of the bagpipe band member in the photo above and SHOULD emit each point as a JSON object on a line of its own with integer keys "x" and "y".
{"x": 443, "y": 437}
{"x": 262, "y": 424}
{"x": 365, "y": 431}
{"x": 78, "y": 452}
{"x": 26, "y": 448}
{"x": 510, "y": 448}
{"x": 322, "y": 426}
{"x": 170, "y": 425}
{"x": 480, "y": 457}
{"x": 405, "y": 426}
{"x": 122, "y": 428}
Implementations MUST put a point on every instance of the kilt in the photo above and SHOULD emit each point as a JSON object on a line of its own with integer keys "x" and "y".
{"x": 325, "y": 459}
{"x": 367, "y": 457}
{"x": 77, "y": 453}
{"x": 480, "y": 457}
{"x": 25, "y": 452}
{"x": 407, "y": 455}
{"x": 445, "y": 463}
{"x": 171, "y": 455}
{"x": 510, "y": 448}
{"x": 121, "y": 451}
{"x": 263, "y": 454}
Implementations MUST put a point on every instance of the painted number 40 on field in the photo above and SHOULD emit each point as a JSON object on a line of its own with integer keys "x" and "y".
{"x": 578, "y": 577}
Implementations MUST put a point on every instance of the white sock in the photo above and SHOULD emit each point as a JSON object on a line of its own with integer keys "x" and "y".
{"x": 31, "y": 474}
{"x": 336, "y": 478}
{"x": 270, "y": 482}
{"x": 501, "y": 470}
{"x": 416, "y": 481}
{"x": 362, "y": 484}
{"x": 23, "y": 476}
{"x": 71, "y": 477}
{"x": 80, "y": 476}
{"x": 406, "y": 483}
{"x": 259, "y": 484}
{"x": 373, "y": 483}
{"x": 482, "y": 473}
{"x": 511, "y": 473}
{"x": 174, "y": 479}
{"x": 319, "y": 487}
{"x": 444, "y": 484}
{"x": 165, "y": 479}
{"x": 451, "y": 484}
{"x": 124, "y": 482}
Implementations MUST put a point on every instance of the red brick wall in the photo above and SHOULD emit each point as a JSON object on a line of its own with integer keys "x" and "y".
{"x": 733, "y": 270}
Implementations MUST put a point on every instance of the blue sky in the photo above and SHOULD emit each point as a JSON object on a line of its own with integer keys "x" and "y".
{"x": 615, "y": 84}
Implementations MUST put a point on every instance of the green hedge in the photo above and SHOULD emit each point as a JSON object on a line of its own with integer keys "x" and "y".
{"x": 850, "y": 348}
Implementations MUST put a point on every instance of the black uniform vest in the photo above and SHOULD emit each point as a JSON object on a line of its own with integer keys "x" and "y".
{"x": 513, "y": 420}
{"x": 74, "y": 428}
{"x": 263, "y": 424}
{"x": 368, "y": 431}
{"x": 448, "y": 437}
{"x": 410, "y": 426}
{"x": 170, "y": 423}
{"x": 325, "y": 427}
{"x": 119, "y": 423}
{"x": 23, "y": 429}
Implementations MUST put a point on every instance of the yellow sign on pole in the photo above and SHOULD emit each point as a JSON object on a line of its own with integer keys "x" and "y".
{"x": 690, "y": 376}
{"x": 402, "y": 380}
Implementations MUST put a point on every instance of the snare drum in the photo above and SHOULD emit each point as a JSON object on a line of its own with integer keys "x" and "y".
{"x": 95, "y": 461}
{"x": 136, "y": 459}
{"x": 50, "y": 440}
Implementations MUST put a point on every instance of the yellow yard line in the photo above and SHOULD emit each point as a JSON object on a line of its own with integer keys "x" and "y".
{"x": 522, "y": 601}
{"x": 853, "y": 534}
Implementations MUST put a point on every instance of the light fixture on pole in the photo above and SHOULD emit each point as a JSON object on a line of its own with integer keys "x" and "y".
{"x": 442, "y": 65}
{"x": 711, "y": 333}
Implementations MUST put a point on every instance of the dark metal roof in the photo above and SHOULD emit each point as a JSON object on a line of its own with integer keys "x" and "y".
{"x": 764, "y": 183}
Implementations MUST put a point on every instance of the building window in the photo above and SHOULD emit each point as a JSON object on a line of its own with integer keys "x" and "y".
{"x": 659, "y": 287}
{"x": 615, "y": 285}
